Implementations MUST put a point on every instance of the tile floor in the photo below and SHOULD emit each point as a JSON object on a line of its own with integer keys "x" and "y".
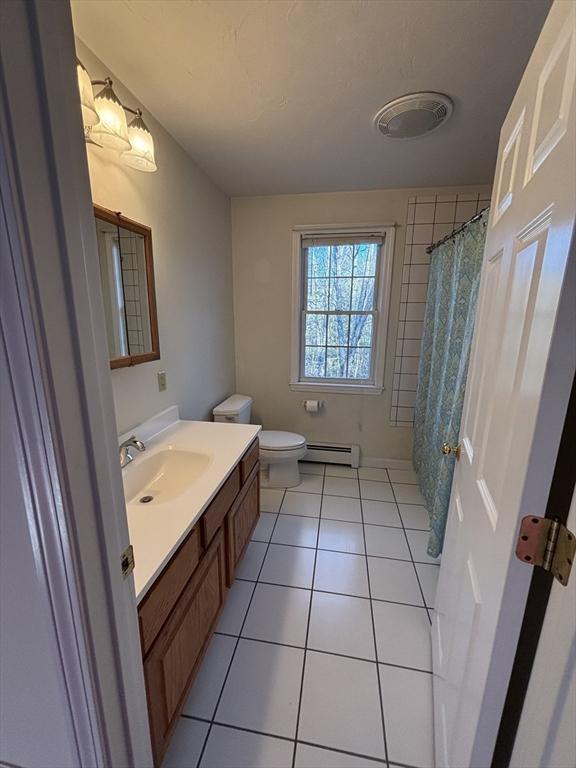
{"x": 321, "y": 658}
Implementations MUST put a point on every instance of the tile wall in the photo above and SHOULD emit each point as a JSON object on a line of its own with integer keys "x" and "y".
{"x": 129, "y": 248}
{"x": 430, "y": 218}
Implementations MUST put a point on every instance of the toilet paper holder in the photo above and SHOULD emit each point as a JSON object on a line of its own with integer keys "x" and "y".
{"x": 312, "y": 406}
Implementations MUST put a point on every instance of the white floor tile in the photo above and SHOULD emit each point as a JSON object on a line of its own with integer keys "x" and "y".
{"x": 338, "y": 470}
{"x": 264, "y": 527}
{"x": 230, "y": 748}
{"x": 186, "y": 744}
{"x": 298, "y": 531}
{"x": 381, "y": 513}
{"x": 341, "y": 705}
{"x": 341, "y": 486}
{"x": 418, "y": 541}
{"x": 342, "y": 537}
{"x": 342, "y": 573}
{"x": 308, "y": 484}
{"x": 251, "y": 561}
{"x": 290, "y": 566}
{"x": 317, "y": 757}
{"x": 371, "y": 489}
{"x": 306, "y": 504}
{"x": 278, "y": 614}
{"x": 262, "y": 688}
{"x": 403, "y": 635}
{"x": 407, "y": 699}
{"x": 408, "y": 476}
{"x": 203, "y": 697}
{"x": 235, "y": 607}
{"x": 415, "y": 516}
{"x": 270, "y": 499}
{"x": 373, "y": 473}
{"x": 394, "y": 580}
{"x": 408, "y": 494}
{"x": 386, "y": 542}
{"x": 311, "y": 467}
{"x": 341, "y": 624}
{"x": 341, "y": 508}
{"x": 428, "y": 576}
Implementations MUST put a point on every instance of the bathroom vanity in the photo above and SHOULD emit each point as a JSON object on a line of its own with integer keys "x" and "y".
{"x": 187, "y": 543}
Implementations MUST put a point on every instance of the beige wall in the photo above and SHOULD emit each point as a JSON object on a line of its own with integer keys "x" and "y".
{"x": 190, "y": 221}
{"x": 262, "y": 243}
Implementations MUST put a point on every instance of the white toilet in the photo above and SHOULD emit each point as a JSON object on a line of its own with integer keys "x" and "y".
{"x": 279, "y": 451}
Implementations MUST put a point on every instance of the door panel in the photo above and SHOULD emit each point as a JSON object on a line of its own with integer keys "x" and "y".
{"x": 519, "y": 381}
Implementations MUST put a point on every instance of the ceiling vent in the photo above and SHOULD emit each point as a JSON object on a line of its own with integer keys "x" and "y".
{"x": 415, "y": 114}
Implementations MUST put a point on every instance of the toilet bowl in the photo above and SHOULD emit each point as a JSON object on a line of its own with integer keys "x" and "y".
{"x": 279, "y": 451}
{"x": 279, "y": 456}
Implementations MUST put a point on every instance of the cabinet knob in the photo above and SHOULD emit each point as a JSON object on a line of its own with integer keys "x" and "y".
{"x": 455, "y": 450}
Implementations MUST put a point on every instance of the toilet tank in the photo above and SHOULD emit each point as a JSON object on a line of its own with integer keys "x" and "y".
{"x": 235, "y": 409}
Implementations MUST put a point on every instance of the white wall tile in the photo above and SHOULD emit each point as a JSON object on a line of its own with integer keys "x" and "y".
{"x": 424, "y": 213}
{"x": 422, "y": 234}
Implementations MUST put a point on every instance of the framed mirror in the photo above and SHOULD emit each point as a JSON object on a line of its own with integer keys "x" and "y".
{"x": 127, "y": 279}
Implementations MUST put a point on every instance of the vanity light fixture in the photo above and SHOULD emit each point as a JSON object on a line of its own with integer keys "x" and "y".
{"x": 105, "y": 123}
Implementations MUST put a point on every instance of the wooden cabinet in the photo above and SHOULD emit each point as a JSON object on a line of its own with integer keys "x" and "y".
{"x": 179, "y": 614}
{"x": 241, "y": 521}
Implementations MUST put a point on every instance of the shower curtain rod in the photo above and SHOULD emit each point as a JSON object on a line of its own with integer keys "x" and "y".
{"x": 456, "y": 231}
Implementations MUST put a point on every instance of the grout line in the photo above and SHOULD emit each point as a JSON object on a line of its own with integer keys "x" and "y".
{"x": 307, "y": 631}
{"x": 199, "y": 761}
{"x": 374, "y": 639}
{"x": 346, "y": 752}
{"x": 413, "y": 563}
{"x": 331, "y": 653}
{"x": 238, "y": 728}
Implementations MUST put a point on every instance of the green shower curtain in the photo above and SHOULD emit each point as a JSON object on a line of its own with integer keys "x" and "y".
{"x": 448, "y": 328}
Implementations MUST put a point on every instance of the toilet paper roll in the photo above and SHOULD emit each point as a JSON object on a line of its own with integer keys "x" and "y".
{"x": 312, "y": 406}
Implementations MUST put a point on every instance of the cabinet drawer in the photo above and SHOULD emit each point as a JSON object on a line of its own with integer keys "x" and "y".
{"x": 248, "y": 461}
{"x": 177, "y": 653}
{"x": 216, "y": 512}
{"x": 158, "y": 603}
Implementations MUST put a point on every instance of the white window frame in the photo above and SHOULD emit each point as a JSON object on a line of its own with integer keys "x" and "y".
{"x": 384, "y": 280}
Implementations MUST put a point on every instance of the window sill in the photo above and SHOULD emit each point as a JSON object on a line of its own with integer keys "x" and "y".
{"x": 338, "y": 389}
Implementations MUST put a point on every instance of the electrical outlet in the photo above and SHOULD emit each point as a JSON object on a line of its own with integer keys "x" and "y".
{"x": 161, "y": 381}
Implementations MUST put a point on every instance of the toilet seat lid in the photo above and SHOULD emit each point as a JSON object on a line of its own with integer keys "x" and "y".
{"x": 275, "y": 440}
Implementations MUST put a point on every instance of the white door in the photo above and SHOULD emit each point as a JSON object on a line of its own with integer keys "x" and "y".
{"x": 519, "y": 380}
{"x": 546, "y": 735}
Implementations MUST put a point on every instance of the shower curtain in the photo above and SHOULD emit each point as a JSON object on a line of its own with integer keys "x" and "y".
{"x": 448, "y": 327}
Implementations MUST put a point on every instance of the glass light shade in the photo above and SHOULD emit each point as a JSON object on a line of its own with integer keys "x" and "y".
{"x": 141, "y": 153}
{"x": 89, "y": 114}
{"x": 112, "y": 130}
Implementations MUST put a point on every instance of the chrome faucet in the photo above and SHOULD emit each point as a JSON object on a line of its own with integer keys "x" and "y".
{"x": 125, "y": 454}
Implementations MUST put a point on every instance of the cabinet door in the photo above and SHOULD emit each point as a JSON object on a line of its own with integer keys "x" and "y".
{"x": 177, "y": 652}
{"x": 241, "y": 520}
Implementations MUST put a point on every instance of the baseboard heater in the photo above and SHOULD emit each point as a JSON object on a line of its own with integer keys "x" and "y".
{"x": 332, "y": 453}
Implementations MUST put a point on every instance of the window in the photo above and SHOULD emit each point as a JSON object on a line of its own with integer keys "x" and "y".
{"x": 339, "y": 333}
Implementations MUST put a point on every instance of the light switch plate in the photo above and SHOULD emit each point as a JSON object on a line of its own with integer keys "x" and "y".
{"x": 161, "y": 381}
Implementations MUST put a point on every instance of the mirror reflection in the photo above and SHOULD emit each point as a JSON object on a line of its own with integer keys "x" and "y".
{"x": 126, "y": 276}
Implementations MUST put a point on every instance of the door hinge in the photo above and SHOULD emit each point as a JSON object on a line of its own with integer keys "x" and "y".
{"x": 546, "y": 542}
{"x": 127, "y": 561}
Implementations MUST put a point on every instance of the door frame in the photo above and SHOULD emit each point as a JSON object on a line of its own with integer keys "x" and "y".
{"x": 53, "y": 326}
{"x": 541, "y": 583}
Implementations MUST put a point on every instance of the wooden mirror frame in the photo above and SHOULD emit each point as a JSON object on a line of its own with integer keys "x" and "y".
{"x": 115, "y": 217}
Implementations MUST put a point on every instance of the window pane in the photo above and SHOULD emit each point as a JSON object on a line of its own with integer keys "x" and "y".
{"x": 318, "y": 261}
{"x": 359, "y": 364}
{"x": 341, "y": 264}
{"x": 360, "y": 331}
{"x": 340, "y": 293}
{"x": 317, "y": 294}
{"x": 365, "y": 260}
{"x": 363, "y": 293}
{"x": 338, "y": 330}
{"x": 336, "y": 362}
{"x": 316, "y": 330}
{"x": 314, "y": 361}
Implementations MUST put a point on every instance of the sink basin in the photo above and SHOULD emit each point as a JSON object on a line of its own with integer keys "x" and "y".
{"x": 163, "y": 476}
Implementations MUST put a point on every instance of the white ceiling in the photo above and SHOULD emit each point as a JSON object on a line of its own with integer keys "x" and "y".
{"x": 278, "y": 96}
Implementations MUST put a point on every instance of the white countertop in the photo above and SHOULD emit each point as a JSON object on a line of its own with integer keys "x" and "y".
{"x": 156, "y": 530}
